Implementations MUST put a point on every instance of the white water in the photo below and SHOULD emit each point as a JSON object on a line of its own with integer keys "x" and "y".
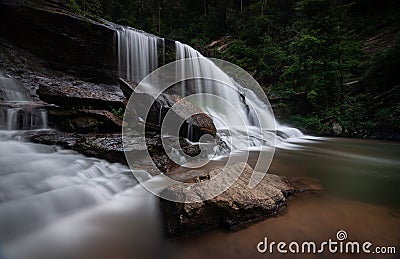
{"x": 22, "y": 117}
{"x": 17, "y": 111}
{"x": 40, "y": 184}
{"x": 243, "y": 121}
{"x": 60, "y": 204}
{"x": 138, "y": 53}
{"x": 248, "y": 119}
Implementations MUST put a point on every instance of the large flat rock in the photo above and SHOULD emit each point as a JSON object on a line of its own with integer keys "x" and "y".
{"x": 81, "y": 94}
{"x": 237, "y": 205}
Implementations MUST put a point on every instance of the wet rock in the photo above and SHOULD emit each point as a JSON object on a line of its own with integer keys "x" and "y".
{"x": 198, "y": 122}
{"x": 337, "y": 129}
{"x": 110, "y": 147}
{"x": 103, "y": 146}
{"x": 237, "y": 205}
{"x": 81, "y": 94}
{"x": 85, "y": 121}
{"x": 127, "y": 88}
{"x": 195, "y": 122}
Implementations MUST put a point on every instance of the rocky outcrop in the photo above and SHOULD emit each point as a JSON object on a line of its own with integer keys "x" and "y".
{"x": 127, "y": 88}
{"x": 103, "y": 146}
{"x": 83, "y": 107}
{"x": 81, "y": 94}
{"x": 111, "y": 148}
{"x": 85, "y": 121}
{"x": 194, "y": 122}
{"x": 238, "y": 205}
{"x": 65, "y": 41}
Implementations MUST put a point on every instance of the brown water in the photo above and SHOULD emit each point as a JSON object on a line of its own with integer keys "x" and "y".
{"x": 361, "y": 196}
{"x": 361, "y": 180}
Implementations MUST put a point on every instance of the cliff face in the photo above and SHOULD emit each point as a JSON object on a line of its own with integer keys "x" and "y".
{"x": 65, "y": 41}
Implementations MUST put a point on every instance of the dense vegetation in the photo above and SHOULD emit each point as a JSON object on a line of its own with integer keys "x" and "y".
{"x": 323, "y": 63}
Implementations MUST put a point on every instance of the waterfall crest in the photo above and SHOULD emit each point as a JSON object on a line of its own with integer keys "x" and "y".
{"x": 138, "y": 53}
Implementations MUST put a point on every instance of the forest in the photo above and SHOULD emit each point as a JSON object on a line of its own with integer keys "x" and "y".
{"x": 329, "y": 67}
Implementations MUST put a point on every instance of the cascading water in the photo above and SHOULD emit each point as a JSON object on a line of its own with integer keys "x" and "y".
{"x": 138, "y": 53}
{"x": 17, "y": 110}
{"x": 22, "y": 116}
{"x": 234, "y": 94}
{"x": 249, "y": 109}
{"x": 48, "y": 195}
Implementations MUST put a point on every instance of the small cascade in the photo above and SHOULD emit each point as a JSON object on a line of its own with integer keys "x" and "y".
{"x": 22, "y": 116}
{"x": 17, "y": 110}
{"x": 138, "y": 53}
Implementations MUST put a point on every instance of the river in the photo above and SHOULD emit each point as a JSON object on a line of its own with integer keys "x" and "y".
{"x": 360, "y": 179}
{"x": 59, "y": 204}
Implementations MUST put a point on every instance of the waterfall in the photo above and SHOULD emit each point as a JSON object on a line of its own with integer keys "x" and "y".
{"x": 259, "y": 115}
{"x": 138, "y": 56}
{"x": 232, "y": 93}
{"x": 138, "y": 53}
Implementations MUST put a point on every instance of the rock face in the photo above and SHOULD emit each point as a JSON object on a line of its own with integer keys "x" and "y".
{"x": 238, "y": 205}
{"x": 82, "y": 94}
{"x": 85, "y": 121}
{"x": 84, "y": 107}
{"x": 103, "y": 146}
{"x": 67, "y": 42}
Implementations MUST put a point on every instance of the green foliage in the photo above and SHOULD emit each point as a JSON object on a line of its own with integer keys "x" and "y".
{"x": 96, "y": 9}
{"x": 118, "y": 112}
{"x": 305, "y": 123}
{"x": 74, "y": 6}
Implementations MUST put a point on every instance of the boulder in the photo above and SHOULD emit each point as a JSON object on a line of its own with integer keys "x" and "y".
{"x": 238, "y": 205}
{"x": 337, "y": 129}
